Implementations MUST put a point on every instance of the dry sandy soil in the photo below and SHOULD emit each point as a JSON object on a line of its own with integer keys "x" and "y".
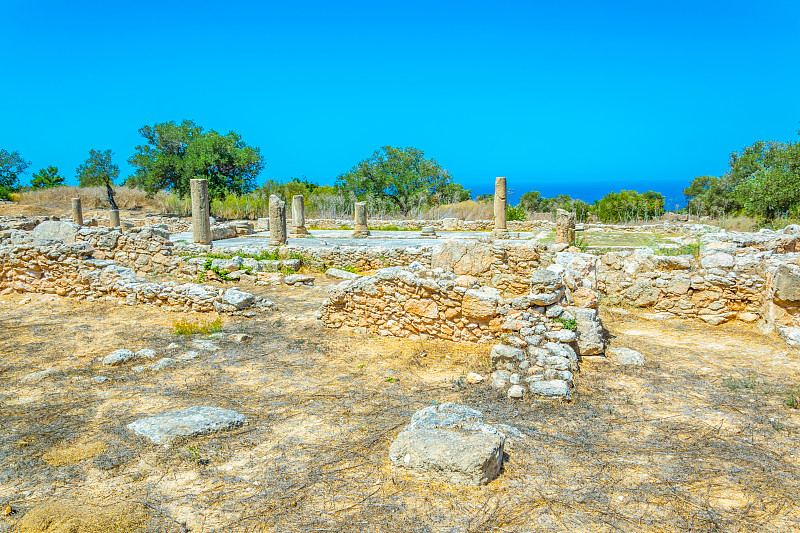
{"x": 698, "y": 439}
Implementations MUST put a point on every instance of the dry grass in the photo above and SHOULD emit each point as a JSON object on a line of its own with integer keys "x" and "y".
{"x": 91, "y": 198}
{"x": 667, "y": 447}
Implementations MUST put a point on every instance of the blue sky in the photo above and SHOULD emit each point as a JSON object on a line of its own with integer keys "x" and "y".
{"x": 574, "y": 97}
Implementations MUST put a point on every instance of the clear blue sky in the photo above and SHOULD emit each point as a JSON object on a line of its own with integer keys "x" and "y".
{"x": 577, "y": 97}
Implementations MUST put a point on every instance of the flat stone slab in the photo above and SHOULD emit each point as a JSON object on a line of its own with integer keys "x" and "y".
{"x": 188, "y": 422}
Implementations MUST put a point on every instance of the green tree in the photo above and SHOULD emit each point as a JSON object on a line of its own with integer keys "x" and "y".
{"x": 98, "y": 169}
{"x": 174, "y": 153}
{"x": 11, "y": 166}
{"x": 626, "y": 206}
{"x": 400, "y": 175}
{"x": 46, "y": 178}
{"x": 530, "y": 201}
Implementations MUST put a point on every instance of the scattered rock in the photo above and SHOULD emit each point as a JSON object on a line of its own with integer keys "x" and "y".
{"x": 117, "y": 357}
{"x": 146, "y": 353}
{"x": 39, "y": 376}
{"x": 191, "y": 421}
{"x": 473, "y": 378}
{"x": 206, "y": 346}
{"x": 189, "y": 355}
{"x": 239, "y": 337}
{"x": 516, "y": 392}
{"x": 163, "y": 363}
{"x": 626, "y": 356}
{"x": 550, "y": 389}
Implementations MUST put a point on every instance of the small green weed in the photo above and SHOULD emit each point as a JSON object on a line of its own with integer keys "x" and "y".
{"x": 570, "y": 324}
{"x": 736, "y": 384}
{"x": 390, "y": 380}
{"x": 183, "y": 326}
{"x": 793, "y": 398}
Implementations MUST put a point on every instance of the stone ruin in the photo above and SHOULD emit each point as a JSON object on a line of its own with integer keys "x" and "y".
{"x": 539, "y": 349}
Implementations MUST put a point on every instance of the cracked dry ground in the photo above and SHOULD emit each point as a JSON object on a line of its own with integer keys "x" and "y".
{"x": 699, "y": 439}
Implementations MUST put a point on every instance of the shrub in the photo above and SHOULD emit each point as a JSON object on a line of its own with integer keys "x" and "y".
{"x": 184, "y": 326}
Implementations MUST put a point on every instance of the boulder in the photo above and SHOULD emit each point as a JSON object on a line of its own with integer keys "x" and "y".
{"x": 554, "y": 388}
{"x": 451, "y": 444}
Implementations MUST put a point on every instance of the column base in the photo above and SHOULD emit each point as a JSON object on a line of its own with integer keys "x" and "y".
{"x": 360, "y": 233}
{"x": 277, "y": 243}
{"x": 501, "y": 234}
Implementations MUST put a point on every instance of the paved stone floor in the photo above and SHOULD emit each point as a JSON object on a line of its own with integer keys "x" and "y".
{"x": 386, "y": 239}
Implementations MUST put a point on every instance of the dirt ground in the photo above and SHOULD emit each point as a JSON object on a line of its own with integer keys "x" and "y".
{"x": 698, "y": 439}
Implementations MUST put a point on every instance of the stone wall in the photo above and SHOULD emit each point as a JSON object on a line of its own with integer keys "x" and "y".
{"x": 729, "y": 279}
{"x": 91, "y": 263}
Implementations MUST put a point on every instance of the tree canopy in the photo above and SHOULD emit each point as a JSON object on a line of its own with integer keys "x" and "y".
{"x": 46, "y": 178}
{"x": 763, "y": 180}
{"x": 98, "y": 169}
{"x": 402, "y": 176}
{"x": 174, "y": 153}
{"x": 625, "y": 206}
{"x": 11, "y": 166}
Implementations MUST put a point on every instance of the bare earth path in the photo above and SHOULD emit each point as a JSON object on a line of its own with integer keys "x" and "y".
{"x": 698, "y": 439}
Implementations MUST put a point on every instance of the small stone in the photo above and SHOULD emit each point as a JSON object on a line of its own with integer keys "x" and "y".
{"x": 473, "y": 378}
{"x": 188, "y": 356}
{"x": 146, "y": 353}
{"x": 117, "y": 357}
{"x": 99, "y": 379}
{"x": 206, "y": 346}
{"x": 516, "y": 392}
{"x": 338, "y": 273}
{"x": 240, "y": 337}
{"x": 163, "y": 363}
{"x": 39, "y": 376}
{"x": 173, "y": 346}
{"x": 514, "y": 379}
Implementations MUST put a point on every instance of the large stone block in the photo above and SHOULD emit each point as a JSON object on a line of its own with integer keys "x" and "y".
{"x": 787, "y": 286}
{"x": 450, "y": 443}
{"x": 56, "y": 230}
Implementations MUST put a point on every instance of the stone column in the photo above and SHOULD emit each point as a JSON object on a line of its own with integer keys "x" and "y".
{"x": 201, "y": 225}
{"x": 77, "y": 212}
{"x": 277, "y": 221}
{"x": 565, "y": 227}
{"x": 298, "y": 217}
{"x": 114, "y": 217}
{"x": 500, "y": 231}
{"x": 361, "y": 229}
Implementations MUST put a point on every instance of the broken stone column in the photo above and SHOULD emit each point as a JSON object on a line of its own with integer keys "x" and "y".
{"x": 201, "y": 225}
{"x": 361, "y": 229}
{"x": 298, "y": 216}
{"x": 114, "y": 217}
{"x": 500, "y": 231}
{"x": 277, "y": 221}
{"x": 77, "y": 212}
{"x": 565, "y": 227}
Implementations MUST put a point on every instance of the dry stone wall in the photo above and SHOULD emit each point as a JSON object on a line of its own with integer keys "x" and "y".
{"x": 93, "y": 263}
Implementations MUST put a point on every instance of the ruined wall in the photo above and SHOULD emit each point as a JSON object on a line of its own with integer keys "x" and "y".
{"x": 92, "y": 263}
